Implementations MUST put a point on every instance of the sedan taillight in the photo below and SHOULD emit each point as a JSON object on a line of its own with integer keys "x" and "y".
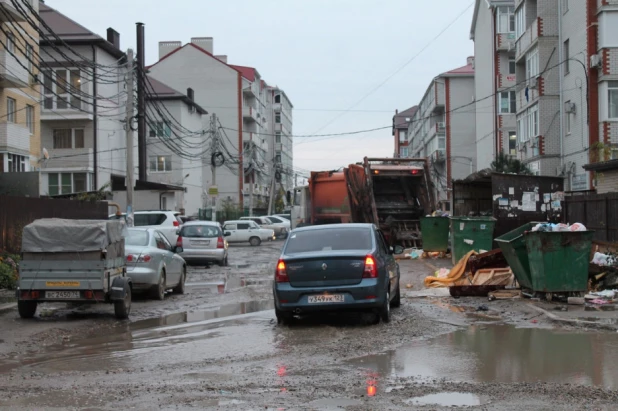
{"x": 220, "y": 243}
{"x": 179, "y": 241}
{"x": 133, "y": 258}
{"x": 281, "y": 274}
{"x": 371, "y": 269}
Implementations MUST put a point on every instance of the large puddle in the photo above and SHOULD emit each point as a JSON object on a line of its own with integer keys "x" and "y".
{"x": 501, "y": 353}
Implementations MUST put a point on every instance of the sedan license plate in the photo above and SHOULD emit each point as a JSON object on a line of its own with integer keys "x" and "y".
{"x": 61, "y": 294}
{"x": 316, "y": 299}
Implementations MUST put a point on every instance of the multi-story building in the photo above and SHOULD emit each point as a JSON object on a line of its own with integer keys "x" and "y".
{"x": 493, "y": 33}
{"x": 401, "y": 123}
{"x": 83, "y": 106}
{"x": 20, "y": 143}
{"x": 172, "y": 114}
{"x": 281, "y": 148}
{"x": 443, "y": 129}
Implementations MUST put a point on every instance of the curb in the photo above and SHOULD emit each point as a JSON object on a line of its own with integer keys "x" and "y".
{"x": 574, "y": 322}
{"x": 7, "y": 307}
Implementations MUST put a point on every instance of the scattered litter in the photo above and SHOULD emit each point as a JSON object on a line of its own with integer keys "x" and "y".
{"x": 482, "y": 308}
{"x": 534, "y": 321}
{"x": 549, "y": 227}
{"x": 504, "y": 295}
{"x": 599, "y": 301}
{"x": 605, "y": 294}
{"x": 604, "y": 260}
{"x": 409, "y": 286}
{"x": 416, "y": 253}
{"x": 469, "y": 242}
{"x": 442, "y": 273}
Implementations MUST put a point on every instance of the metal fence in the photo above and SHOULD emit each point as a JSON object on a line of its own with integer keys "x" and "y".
{"x": 17, "y": 212}
{"x": 598, "y": 212}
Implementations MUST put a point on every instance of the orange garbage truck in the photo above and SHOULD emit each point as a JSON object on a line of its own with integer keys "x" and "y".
{"x": 392, "y": 193}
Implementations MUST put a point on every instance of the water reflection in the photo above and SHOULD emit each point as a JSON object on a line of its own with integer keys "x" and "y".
{"x": 506, "y": 354}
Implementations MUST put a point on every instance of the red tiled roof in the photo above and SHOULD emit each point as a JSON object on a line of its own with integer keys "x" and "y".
{"x": 400, "y": 118}
{"x": 467, "y": 69}
{"x": 247, "y": 72}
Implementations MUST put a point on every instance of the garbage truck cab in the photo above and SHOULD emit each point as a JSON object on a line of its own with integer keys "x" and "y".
{"x": 299, "y": 200}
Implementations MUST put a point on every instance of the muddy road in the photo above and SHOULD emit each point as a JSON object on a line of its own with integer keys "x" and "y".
{"x": 219, "y": 347}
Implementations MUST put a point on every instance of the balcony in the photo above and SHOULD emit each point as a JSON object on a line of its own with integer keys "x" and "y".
{"x": 528, "y": 39}
{"x": 14, "y": 137}
{"x": 438, "y": 156}
{"x": 505, "y": 41}
{"x": 64, "y": 158}
{"x": 54, "y": 108}
{"x": 278, "y": 147}
{"x": 438, "y": 98}
{"x": 10, "y": 13}
{"x": 249, "y": 114}
{"x": 277, "y": 107}
{"x": 505, "y": 81}
{"x": 12, "y": 74}
{"x": 251, "y": 90}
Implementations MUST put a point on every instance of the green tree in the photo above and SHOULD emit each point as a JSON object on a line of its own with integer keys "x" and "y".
{"x": 507, "y": 164}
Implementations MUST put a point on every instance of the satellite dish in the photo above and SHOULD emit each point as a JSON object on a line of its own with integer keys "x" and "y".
{"x": 45, "y": 154}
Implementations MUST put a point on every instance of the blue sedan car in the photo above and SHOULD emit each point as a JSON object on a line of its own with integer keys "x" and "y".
{"x": 336, "y": 267}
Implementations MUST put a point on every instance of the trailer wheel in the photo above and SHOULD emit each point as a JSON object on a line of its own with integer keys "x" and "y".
{"x": 26, "y": 309}
{"x": 122, "y": 308}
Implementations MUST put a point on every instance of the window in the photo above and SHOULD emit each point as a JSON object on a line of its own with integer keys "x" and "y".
{"x": 10, "y": 110}
{"x": 278, "y": 118}
{"x": 507, "y": 102}
{"x": 565, "y": 49}
{"x": 66, "y": 84}
{"x": 506, "y": 20}
{"x": 243, "y": 226}
{"x": 277, "y": 137}
{"x": 278, "y": 98}
{"x": 68, "y": 138}
{"x": 331, "y": 239}
{"x": 522, "y": 127}
{"x": 512, "y": 143}
{"x": 160, "y": 163}
{"x": 532, "y": 63}
{"x": 16, "y": 163}
{"x": 160, "y": 129}
{"x": 533, "y": 121}
{"x": 67, "y": 183}
{"x": 402, "y": 135}
{"x": 567, "y": 119}
{"x": 80, "y": 182}
{"x": 277, "y": 156}
{"x": 30, "y": 118}
{"x": 512, "y": 65}
{"x": 403, "y": 152}
{"x": 612, "y": 94}
{"x": 10, "y": 43}
{"x": 29, "y": 57}
{"x": 144, "y": 219}
{"x": 230, "y": 227}
{"x": 520, "y": 21}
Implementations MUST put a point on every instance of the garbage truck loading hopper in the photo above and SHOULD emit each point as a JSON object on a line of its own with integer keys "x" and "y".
{"x": 329, "y": 198}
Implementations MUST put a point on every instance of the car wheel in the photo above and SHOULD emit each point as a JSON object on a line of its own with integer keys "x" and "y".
{"x": 385, "y": 312}
{"x": 180, "y": 288}
{"x": 158, "y": 292}
{"x": 283, "y": 318}
{"x": 397, "y": 298}
{"x": 26, "y": 309}
{"x": 255, "y": 241}
{"x": 122, "y": 308}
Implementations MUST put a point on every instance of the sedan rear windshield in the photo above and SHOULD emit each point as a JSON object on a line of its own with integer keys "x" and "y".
{"x": 335, "y": 239}
{"x": 137, "y": 237}
{"x": 200, "y": 231}
{"x": 149, "y": 219}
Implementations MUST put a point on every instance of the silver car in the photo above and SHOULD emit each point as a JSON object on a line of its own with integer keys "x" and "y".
{"x": 202, "y": 241}
{"x": 153, "y": 263}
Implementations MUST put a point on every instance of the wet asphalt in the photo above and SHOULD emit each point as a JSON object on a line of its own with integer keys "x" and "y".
{"x": 219, "y": 347}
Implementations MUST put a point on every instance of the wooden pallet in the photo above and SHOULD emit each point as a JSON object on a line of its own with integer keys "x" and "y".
{"x": 493, "y": 276}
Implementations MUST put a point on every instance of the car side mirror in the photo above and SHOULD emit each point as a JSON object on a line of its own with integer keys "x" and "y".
{"x": 227, "y": 234}
{"x": 397, "y": 250}
{"x": 178, "y": 250}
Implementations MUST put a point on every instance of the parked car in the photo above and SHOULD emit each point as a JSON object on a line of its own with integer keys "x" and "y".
{"x": 264, "y": 222}
{"x": 185, "y": 219}
{"x": 286, "y": 216}
{"x": 336, "y": 267}
{"x": 242, "y": 231}
{"x": 153, "y": 263}
{"x": 168, "y": 222}
{"x": 202, "y": 241}
{"x": 281, "y": 221}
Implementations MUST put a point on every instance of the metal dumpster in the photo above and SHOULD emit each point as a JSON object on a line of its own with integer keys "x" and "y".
{"x": 471, "y": 233}
{"x": 548, "y": 262}
{"x": 435, "y": 232}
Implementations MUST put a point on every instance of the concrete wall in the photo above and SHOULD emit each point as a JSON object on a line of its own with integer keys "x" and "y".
{"x": 216, "y": 85}
{"x": 146, "y": 200}
{"x": 462, "y": 126}
{"x": 484, "y": 87}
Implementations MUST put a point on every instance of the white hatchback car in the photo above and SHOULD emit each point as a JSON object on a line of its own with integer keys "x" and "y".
{"x": 167, "y": 222}
{"x": 242, "y": 231}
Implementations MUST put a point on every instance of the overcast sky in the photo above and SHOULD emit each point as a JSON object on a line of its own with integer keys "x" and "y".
{"x": 326, "y": 54}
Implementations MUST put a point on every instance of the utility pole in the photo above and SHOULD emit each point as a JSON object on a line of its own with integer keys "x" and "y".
{"x": 272, "y": 189}
{"x": 252, "y": 179}
{"x": 129, "y": 130}
{"x": 141, "y": 104}
{"x": 214, "y": 148}
{"x": 295, "y": 179}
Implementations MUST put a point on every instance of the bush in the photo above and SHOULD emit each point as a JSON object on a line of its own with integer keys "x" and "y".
{"x": 8, "y": 271}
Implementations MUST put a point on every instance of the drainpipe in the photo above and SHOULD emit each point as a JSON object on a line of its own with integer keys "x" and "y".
{"x": 561, "y": 85}
{"x": 95, "y": 133}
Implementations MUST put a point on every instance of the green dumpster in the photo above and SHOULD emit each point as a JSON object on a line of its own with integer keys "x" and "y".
{"x": 471, "y": 233}
{"x": 434, "y": 232}
{"x": 548, "y": 262}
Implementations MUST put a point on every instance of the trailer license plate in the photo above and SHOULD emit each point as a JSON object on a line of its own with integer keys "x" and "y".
{"x": 61, "y": 294}
{"x": 316, "y": 299}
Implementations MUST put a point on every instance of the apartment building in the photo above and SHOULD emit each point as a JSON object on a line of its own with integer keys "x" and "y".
{"x": 83, "y": 107}
{"x": 493, "y": 33}
{"x": 401, "y": 123}
{"x": 173, "y": 114}
{"x": 443, "y": 128}
{"x": 20, "y": 143}
{"x": 282, "y": 147}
